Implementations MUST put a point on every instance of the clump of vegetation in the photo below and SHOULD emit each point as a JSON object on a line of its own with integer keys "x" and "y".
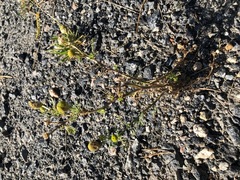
{"x": 62, "y": 115}
{"x": 69, "y": 45}
{"x": 63, "y": 110}
{"x": 111, "y": 139}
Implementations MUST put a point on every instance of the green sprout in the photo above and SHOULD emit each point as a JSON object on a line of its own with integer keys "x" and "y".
{"x": 173, "y": 77}
{"x": 70, "y": 45}
{"x": 67, "y": 112}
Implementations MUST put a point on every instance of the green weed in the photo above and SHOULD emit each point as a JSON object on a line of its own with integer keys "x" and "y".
{"x": 69, "y": 45}
{"x": 62, "y": 110}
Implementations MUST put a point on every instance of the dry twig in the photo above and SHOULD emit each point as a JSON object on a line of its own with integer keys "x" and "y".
{"x": 139, "y": 15}
{"x": 7, "y": 77}
{"x": 149, "y": 153}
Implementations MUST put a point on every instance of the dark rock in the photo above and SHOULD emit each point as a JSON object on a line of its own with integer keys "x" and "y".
{"x": 233, "y": 132}
{"x": 2, "y": 122}
{"x": 235, "y": 166}
{"x": 236, "y": 111}
{"x": 7, "y": 132}
{"x": 24, "y": 154}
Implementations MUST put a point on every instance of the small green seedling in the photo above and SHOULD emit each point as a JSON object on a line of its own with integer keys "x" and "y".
{"x": 173, "y": 77}
{"x": 70, "y": 45}
{"x": 61, "y": 109}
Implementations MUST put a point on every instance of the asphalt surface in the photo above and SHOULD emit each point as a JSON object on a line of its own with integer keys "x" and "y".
{"x": 187, "y": 130}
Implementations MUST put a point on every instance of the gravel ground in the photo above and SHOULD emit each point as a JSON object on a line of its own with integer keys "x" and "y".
{"x": 191, "y": 132}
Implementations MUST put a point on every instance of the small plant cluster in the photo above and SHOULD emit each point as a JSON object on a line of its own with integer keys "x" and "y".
{"x": 63, "y": 110}
{"x": 113, "y": 140}
{"x": 64, "y": 115}
{"x": 68, "y": 46}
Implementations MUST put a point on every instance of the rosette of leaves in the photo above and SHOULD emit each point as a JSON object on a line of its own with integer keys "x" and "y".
{"x": 70, "y": 45}
{"x": 173, "y": 77}
{"x": 62, "y": 108}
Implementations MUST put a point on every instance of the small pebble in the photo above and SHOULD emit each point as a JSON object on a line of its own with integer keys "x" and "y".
{"x": 183, "y": 118}
{"x": 200, "y": 130}
{"x": 211, "y": 34}
{"x": 46, "y": 28}
{"x": 223, "y": 166}
{"x": 236, "y": 97}
{"x": 232, "y": 60}
{"x": 174, "y": 121}
{"x": 180, "y": 46}
{"x": 201, "y": 97}
{"x": 233, "y": 133}
{"x": 197, "y": 66}
{"x": 135, "y": 145}
{"x": 74, "y": 6}
{"x": 148, "y": 129}
{"x": 204, "y": 115}
{"x": 112, "y": 151}
{"x": 12, "y": 96}
{"x": 232, "y": 67}
{"x": 195, "y": 173}
{"x": 236, "y": 48}
{"x": 147, "y": 73}
{"x": 187, "y": 98}
{"x": 45, "y": 136}
{"x": 131, "y": 67}
{"x": 204, "y": 154}
{"x": 229, "y": 77}
{"x": 214, "y": 169}
{"x": 221, "y": 73}
{"x": 216, "y": 82}
{"x": 228, "y": 47}
{"x": 236, "y": 111}
{"x": 54, "y": 92}
{"x": 24, "y": 154}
